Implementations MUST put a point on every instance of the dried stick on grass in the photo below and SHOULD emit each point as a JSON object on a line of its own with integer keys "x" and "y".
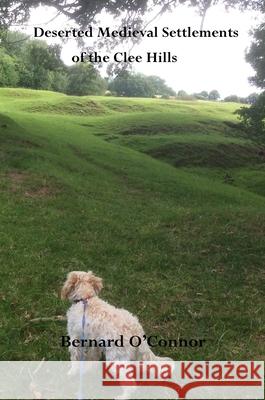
{"x": 44, "y": 319}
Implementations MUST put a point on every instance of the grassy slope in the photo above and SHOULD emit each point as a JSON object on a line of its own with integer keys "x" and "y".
{"x": 183, "y": 247}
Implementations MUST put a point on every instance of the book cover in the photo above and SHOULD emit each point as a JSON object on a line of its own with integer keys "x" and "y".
{"x": 132, "y": 210}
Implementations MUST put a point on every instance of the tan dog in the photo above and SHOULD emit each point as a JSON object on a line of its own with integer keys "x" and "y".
{"x": 104, "y": 323}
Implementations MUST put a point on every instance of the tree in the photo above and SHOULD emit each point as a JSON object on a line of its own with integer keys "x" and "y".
{"x": 202, "y": 95}
{"x": 38, "y": 62}
{"x": 84, "y": 79}
{"x": 158, "y": 86}
{"x": 182, "y": 93}
{"x": 130, "y": 85}
{"x": 38, "y": 65}
{"x": 14, "y": 43}
{"x": 252, "y": 98}
{"x": 59, "y": 80}
{"x": 256, "y": 58}
{"x": 233, "y": 98}
{"x": 253, "y": 118}
{"x": 139, "y": 85}
{"x": 8, "y": 70}
{"x": 214, "y": 95}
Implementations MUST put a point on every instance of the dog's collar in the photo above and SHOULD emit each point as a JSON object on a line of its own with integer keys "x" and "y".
{"x": 83, "y": 300}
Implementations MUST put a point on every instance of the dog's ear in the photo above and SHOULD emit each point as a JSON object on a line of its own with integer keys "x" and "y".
{"x": 72, "y": 279}
{"x": 96, "y": 282}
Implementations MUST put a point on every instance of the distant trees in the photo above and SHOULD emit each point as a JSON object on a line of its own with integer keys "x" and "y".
{"x": 250, "y": 99}
{"x": 131, "y": 85}
{"x": 203, "y": 95}
{"x": 214, "y": 95}
{"x": 158, "y": 86}
{"x": 233, "y": 98}
{"x": 139, "y": 85}
{"x": 182, "y": 93}
{"x": 35, "y": 64}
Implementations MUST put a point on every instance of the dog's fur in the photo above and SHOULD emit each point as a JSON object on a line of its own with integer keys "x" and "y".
{"x": 103, "y": 321}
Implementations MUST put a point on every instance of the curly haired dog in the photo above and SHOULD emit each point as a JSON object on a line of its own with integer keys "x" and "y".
{"x": 103, "y": 321}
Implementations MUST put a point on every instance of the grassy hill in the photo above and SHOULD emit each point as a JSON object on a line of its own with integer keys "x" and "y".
{"x": 163, "y": 199}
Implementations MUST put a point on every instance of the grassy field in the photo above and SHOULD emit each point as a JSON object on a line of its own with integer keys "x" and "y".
{"x": 163, "y": 199}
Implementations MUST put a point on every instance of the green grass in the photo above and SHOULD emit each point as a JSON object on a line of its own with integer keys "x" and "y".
{"x": 163, "y": 199}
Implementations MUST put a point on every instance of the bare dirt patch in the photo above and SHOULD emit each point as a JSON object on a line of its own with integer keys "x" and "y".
{"x": 30, "y": 186}
{"x": 16, "y": 178}
{"x": 43, "y": 191}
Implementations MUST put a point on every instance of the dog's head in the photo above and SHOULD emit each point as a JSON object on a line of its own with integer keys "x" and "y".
{"x": 81, "y": 285}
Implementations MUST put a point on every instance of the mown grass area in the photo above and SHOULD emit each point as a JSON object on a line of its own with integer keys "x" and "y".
{"x": 163, "y": 199}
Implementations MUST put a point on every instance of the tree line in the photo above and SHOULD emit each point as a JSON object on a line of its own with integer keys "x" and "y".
{"x": 35, "y": 64}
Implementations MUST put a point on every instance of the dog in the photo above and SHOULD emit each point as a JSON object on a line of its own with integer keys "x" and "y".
{"x": 102, "y": 321}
